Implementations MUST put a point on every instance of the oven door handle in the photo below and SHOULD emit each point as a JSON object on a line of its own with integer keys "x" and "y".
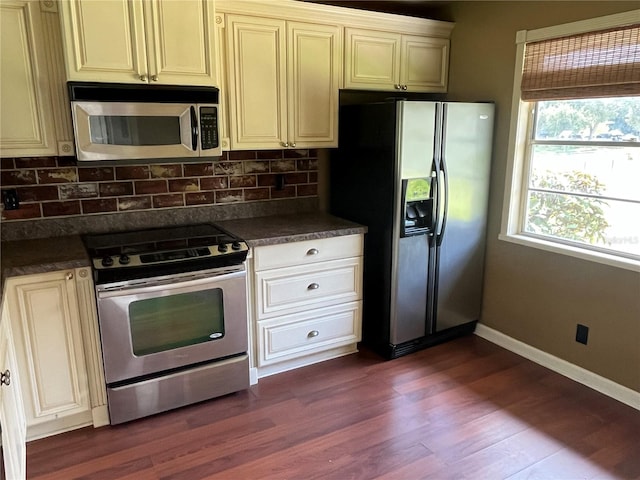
{"x": 153, "y": 285}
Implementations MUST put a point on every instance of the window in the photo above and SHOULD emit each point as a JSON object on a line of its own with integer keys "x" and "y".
{"x": 574, "y": 183}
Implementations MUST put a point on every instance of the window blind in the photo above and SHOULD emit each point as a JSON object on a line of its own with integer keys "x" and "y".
{"x": 596, "y": 64}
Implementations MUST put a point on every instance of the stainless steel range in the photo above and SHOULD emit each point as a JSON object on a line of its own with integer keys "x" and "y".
{"x": 172, "y": 310}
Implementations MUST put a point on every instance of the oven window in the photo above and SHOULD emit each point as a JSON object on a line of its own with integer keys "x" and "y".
{"x": 134, "y": 130}
{"x": 174, "y": 321}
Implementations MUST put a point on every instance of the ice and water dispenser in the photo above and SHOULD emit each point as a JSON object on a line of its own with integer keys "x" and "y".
{"x": 417, "y": 204}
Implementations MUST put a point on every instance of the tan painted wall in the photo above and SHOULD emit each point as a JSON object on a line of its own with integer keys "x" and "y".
{"x": 535, "y": 296}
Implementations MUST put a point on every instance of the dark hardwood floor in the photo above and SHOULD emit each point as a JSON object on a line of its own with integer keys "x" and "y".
{"x": 466, "y": 409}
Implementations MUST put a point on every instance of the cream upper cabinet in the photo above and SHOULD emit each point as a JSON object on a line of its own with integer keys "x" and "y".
{"x": 314, "y": 60}
{"x": 221, "y": 81}
{"x": 46, "y": 324}
{"x": 257, "y": 89}
{"x": 135, "y": 41}
{"x": 376, "y": 60}
{"x": 284, "y": 79}
{"x": 26, "y": 120}
{"x": 12, "y": 418}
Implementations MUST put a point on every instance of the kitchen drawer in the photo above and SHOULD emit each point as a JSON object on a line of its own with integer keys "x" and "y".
{"x": 288, "y": 290}
{"x": 310, "y": 332}
{"x": 308, "y": 251}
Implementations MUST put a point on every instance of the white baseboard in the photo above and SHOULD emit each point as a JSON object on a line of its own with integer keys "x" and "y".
{"x": 603, "y": 385}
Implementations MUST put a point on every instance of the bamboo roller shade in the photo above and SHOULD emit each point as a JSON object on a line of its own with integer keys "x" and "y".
{"x": 596, "y": 64}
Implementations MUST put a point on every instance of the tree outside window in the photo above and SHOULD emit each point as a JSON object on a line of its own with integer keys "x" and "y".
{"x": 584, "y": 168}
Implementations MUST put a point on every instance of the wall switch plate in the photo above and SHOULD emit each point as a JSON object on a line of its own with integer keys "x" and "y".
{"x": 582, "y": 334}
{"x": 10, "y": 199}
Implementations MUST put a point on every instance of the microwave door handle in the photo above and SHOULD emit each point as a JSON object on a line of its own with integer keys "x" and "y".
{"x": 194, "y": 129}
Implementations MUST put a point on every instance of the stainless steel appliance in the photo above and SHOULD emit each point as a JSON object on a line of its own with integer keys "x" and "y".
{"x": 417, "y": 174}
{"x": 120, "y": 122}
{"x": 172, "y": 311}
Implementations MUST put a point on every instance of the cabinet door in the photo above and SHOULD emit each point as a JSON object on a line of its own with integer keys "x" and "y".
{"x": 293, "y": 289}
{"x": 104, "y": 40}
{"x": 26, "y": 123}
{"x": 12, "y": 419}
{"x": 257, "y": 66}
{"x": 48, "y": 339}
{"x": 313, "y": 80}
{"x": 308, "y": 332}
{"x": 424, "y": 64}
{"x": 372, "y": 59}
{"x": 180, "y": 39}
{"x": 221, "y": 80}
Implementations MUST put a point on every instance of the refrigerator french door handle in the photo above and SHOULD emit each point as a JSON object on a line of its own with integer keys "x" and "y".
{"x": 435, "y": 182}
{"x": 443, "y": 187}
{"x": 444, "y": 178}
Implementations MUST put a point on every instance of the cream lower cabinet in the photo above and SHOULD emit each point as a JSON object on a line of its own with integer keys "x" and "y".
{"x": 377, "y": 60}
{"x": 308, "y": 302}
{"x": 47, "y": 313}
{"x": 12, "y": 418}
{"x": 135, "y": 41}
{"x": 284, "y": 79}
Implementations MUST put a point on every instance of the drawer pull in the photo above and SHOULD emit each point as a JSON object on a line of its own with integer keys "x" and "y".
{"x": 313, "y": 286}
{"x": 6, "y": 375}
{"x": 312, "y": 251}
{"x": 313, "y": 333}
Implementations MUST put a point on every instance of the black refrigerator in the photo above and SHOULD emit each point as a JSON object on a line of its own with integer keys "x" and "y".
{"x": 416, "y": 173}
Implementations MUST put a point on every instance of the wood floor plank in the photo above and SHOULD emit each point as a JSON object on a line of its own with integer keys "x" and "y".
{"x": 563, "y": 464}
{"x": 508, "y": 456}
{"x": 466, "y": 409}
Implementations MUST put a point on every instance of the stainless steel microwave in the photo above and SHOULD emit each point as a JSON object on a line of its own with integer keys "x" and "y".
{"x": 120, "y": 122}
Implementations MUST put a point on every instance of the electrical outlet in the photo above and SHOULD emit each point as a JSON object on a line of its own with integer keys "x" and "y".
{"x": 582, "y": 334}
{"x": 10, "y": 199}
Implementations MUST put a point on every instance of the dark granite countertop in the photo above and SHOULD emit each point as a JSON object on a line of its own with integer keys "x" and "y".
{"x": 260, "y": 231}
{"x": 24, "y": 257}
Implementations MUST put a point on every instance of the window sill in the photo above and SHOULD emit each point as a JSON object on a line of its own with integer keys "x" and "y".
{"x": 582, "y": 253}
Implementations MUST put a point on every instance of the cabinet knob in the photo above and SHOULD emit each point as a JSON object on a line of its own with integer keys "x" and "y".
{"x": 69, "y": 276}
{"x": 404, "y": 87}
{"x": 284, "y": 144}
{"x": 143, "y": 78}
{"x": 313, "y": 286}
{"x": 313, "y": 251}
{"x": 313, "y": 333}
{"x": 293, "y": 145}
{"x": 5, "y": 378}
{"x": 154, "y": 78}
{"x": 398, "y": 87}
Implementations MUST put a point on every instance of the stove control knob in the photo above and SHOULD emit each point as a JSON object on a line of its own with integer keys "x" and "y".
{"x": 124, "y": 259}
{"x": 222, "y": 248}
{"x": 107, "y": 261}
{"x": 236, "y": 245}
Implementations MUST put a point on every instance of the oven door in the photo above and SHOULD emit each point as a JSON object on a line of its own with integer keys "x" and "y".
{"x": 159, "y": 324}
{"x": 129, "y": 130}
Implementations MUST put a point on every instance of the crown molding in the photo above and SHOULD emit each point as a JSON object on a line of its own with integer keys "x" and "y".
{"x": 348, "y": 17}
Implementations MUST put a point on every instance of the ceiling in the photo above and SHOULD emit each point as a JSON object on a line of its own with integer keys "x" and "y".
{"x": 435, "y": 10}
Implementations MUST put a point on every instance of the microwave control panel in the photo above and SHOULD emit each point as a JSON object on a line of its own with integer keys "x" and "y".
{"x": 208, "y": 128}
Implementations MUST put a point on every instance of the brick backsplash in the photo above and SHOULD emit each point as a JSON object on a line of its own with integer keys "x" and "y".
{"x": 58, "y": 187}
